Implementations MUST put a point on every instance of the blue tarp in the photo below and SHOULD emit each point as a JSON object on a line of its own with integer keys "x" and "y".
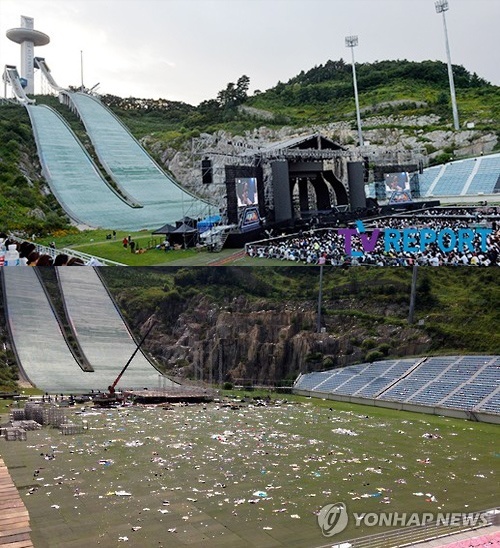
{"x": 208, "y": 223}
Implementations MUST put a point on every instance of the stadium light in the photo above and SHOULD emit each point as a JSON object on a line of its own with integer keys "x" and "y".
{"x": 352, "y": 42}
{"x": 320, "y": 299}
{"x": 442, "y": 7}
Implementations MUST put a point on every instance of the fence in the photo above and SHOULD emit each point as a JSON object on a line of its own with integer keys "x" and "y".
{"x": 72, "y": 253}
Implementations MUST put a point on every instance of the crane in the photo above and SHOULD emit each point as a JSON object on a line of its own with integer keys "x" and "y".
{"x": 110, "y": 397}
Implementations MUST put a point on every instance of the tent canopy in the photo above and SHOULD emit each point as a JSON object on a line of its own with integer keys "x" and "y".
{"x": 165, "y": 229}
{"x": 184, "y": 229}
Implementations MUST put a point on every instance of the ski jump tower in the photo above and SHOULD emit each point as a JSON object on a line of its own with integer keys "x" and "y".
{"x": 28, "y": 38}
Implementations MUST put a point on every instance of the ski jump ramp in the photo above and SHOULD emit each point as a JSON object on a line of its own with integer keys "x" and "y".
{"x": 81, "y": 190}
{"x": 42, "y": 352}
{"x": 11, "y": 76}
{"x": 126, "y": 161}
{"x": 73, "y": 177}
{"x": 145, "y": 197}
{"x": 101, "y": 330}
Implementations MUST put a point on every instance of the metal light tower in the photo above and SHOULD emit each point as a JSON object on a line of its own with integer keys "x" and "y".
{"x": 352, "y": 42}
{"x": 442, "y": 7}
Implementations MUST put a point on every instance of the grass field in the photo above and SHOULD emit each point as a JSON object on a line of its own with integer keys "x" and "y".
{"x": 250, "y": 476}
{"x": 95, "y": 243}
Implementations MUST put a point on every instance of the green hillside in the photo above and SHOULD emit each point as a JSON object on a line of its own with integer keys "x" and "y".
{"x": 322, "y": 95}
{"x": 366, "y": 310}
{"x": 325, "y": 93}
{"x": 319, "y": 96}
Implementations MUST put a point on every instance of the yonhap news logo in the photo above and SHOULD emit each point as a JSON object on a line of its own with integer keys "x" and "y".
{"x": 334, "y": 518}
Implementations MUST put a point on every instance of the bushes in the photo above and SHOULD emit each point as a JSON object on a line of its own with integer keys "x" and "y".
{"x": 373, "y": 356}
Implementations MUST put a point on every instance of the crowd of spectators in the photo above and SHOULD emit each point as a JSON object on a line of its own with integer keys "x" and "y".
{"x": 328, "y": 246}
{"x": 30, "y": 256}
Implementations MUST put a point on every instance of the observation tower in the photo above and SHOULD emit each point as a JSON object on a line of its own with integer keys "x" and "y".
{"x": 28, "y": 38}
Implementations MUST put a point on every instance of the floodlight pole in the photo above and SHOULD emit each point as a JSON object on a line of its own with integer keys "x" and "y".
{"x": 81, "y": 69}
{"x": 442, "y": 7}
{"x": 320, "y": 299}
{"x": 413, "y": 295}
{"x": 352, "y": 42}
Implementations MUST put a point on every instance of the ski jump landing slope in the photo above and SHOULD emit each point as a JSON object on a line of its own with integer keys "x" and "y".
{"x": 41, "y": 350}
{"x": 102, "y": 332}
{"x": 78, "y": 185}
{"x": 128, "y": 164}
{"x": 147, "y": 198}
{"x": 73, "y": 177}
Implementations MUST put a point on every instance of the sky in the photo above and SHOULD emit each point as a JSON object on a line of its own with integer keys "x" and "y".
{"x": 189, "y": 50}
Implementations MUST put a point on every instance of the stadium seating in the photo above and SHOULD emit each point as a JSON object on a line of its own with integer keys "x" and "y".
{"x": 468, "y": 383}
{"x": 454, "y": 178}
{"x": 471, "y": 176}
{"x": 487, "y": 176}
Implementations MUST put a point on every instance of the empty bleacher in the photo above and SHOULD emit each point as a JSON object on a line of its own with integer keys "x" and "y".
{"x": 466, "y": 177}
{"x": 382, "y": 374}
{"x": 408, "y": 386}
{"x": 427, "y": 178}
{"x": 339, "y": 377}
{"x": 466, "y": 383}
{"x": 453, "y": 179}
{"x": 488, "y": 173}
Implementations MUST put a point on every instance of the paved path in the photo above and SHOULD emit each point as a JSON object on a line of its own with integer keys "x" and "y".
{"x": 14, "y": 519}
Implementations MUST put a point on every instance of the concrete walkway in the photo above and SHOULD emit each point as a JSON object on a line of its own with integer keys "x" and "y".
{"x": 14, "y": 519}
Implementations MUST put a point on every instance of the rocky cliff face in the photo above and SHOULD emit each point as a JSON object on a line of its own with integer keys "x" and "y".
{"x": 255, "y": 341}
{"x": 383, "y": 135}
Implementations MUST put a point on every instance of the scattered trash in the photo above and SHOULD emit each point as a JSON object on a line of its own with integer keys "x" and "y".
{"x": 344, "y": 431}
{"x": 198, "y": 470}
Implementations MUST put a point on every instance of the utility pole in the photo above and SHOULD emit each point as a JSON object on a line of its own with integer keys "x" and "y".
{"x": 413, "y": 294}
{"x": 320, "y": 298}
{"x": 221, "y": 357}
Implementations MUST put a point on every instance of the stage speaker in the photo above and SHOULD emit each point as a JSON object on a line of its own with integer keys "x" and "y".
{"x": 206, "y": 171}
{"x": 357, "y": 196}
{"x": 282, "y": 194}
{"x": 380, "y": 192}
{"x": 415, "y": 186}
